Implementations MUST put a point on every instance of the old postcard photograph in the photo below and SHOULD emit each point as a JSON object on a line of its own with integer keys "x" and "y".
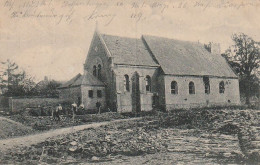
{"x": 151, "y": 82}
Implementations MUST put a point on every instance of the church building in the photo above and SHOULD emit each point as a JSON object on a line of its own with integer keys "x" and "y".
{"x": 139, "y": 74}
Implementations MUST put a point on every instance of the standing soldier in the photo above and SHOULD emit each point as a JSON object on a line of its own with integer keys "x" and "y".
{"x": 59, "y": 111}
{"x": 98, "y": 105}
{"x": 108, "y": 106}
{"x": 74, "y": 109}
{"x": 55, "y": 113}
{"x": 81, "y": 109}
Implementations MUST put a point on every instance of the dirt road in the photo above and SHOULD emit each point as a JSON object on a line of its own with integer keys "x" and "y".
{"x": 29, "y": 140}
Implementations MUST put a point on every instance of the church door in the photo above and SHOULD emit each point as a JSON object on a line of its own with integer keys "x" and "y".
{"x": 136, "y": 93}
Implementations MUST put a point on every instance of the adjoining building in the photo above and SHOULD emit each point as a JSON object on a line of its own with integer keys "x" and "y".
{"x": 86, "y": 89}
{"x": 138, "y": 74}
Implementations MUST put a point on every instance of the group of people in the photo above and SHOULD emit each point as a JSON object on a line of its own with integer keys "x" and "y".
{"x": 74, "y": 110}
{"x": 59, "y": 110}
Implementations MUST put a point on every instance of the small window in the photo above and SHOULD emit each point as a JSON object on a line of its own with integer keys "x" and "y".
{"x": 90, "y": 93}
{"x": 206, "y": 85}
{"x": 148, "y": 83}
{"x": 174, "y": 87}
{"x": 99, "y": 71}
{"x": 99, "y": 93}
{"x": 95, "y": 70}
{"x": 221, "y": 87}
{"x": 126, "y": 83}
{"x": 191, "y": 88}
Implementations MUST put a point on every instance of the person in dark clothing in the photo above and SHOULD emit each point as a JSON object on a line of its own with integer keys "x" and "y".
{"x": 98, "y": 105}
{"x": 108, "y": 106}
{"x": 114, "y": 106}
{"x": 56, "y": 113}
{"x": 81, "y": 109}
{"x": 74, "y": 110}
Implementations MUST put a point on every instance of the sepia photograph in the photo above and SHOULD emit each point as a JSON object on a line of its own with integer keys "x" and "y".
{"x": 154, "y": 82}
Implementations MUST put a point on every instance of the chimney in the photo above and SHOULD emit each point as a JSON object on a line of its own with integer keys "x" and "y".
{"x": 214, "y": 48}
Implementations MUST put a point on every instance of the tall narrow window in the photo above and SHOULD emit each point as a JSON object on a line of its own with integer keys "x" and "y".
{"x": 148, "y": 83}
{"x": 99, "y": 71}
{"x": 221, "y": 87}
{"x": 95, "y": 70}
{"x": 191, "y": 88}
{"x": 90, "y": 93}
{"x": 174, "y": 87}
{"x": 126, "y": 83}
{"x": 206, "y": 85}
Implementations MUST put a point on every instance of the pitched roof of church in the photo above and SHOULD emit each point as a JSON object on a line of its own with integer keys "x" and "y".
{"x": 129, "y": 51}
{"x": 187, "y": 58}
{"x": 174, "y": 56}
{"x": 85, "y": 79}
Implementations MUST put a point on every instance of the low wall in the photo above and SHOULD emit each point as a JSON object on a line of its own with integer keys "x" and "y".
{"x": 18, "y": 104}
{"x": 4, "y": 103}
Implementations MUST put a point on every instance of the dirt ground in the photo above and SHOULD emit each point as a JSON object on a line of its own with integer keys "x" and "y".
{"x": 10, "y": 128}
{"x": 28, "y": 140}
{"x": 185, "y": 137}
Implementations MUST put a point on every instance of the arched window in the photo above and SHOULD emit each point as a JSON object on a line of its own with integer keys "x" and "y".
{"x": 126, "y": 83}
{"x": 174, "y": 87}
{"x": 99, "y": 71}
{"x": 221, "y": 87}
{"x": 191, "y": 88}
{"x": 95, "y": 70}
{"x": 148, "y": 83}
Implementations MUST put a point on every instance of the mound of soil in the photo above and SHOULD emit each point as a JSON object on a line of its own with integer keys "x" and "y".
{"x": 10, "y": 128}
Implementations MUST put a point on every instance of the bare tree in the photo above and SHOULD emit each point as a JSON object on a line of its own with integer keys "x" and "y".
{"x": 244, "y": 57}
{"x": 7, "y": 72}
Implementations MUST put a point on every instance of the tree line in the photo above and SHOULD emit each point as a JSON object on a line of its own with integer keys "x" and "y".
{"x": 15, "y": 82}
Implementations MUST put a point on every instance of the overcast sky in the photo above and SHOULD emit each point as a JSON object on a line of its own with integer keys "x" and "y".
{"x": 52, "y": 37}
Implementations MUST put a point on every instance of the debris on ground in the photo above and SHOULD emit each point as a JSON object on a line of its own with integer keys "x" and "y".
{"x": 202, "y": 137}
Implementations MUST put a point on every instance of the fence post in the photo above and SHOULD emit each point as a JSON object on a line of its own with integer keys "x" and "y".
{"x": 10, "y": 102}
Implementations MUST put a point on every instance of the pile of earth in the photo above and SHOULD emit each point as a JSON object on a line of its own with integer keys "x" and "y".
{"x": 245, "y": 124}
{"x": 99, "y": 144}
{"x": 209, "y": 119}
{"x": 11, "y": 128}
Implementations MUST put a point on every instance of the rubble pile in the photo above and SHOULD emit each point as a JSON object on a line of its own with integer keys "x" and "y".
{"x": 209, "y": 119}
{"x": 219, "y": 136}
{"x": 96, "y": 144}
{"x": 244, "y": 124}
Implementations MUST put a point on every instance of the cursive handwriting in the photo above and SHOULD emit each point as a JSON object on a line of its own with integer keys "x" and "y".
{"x": 89, "y": 10}
{"x": 96, "y": 14}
